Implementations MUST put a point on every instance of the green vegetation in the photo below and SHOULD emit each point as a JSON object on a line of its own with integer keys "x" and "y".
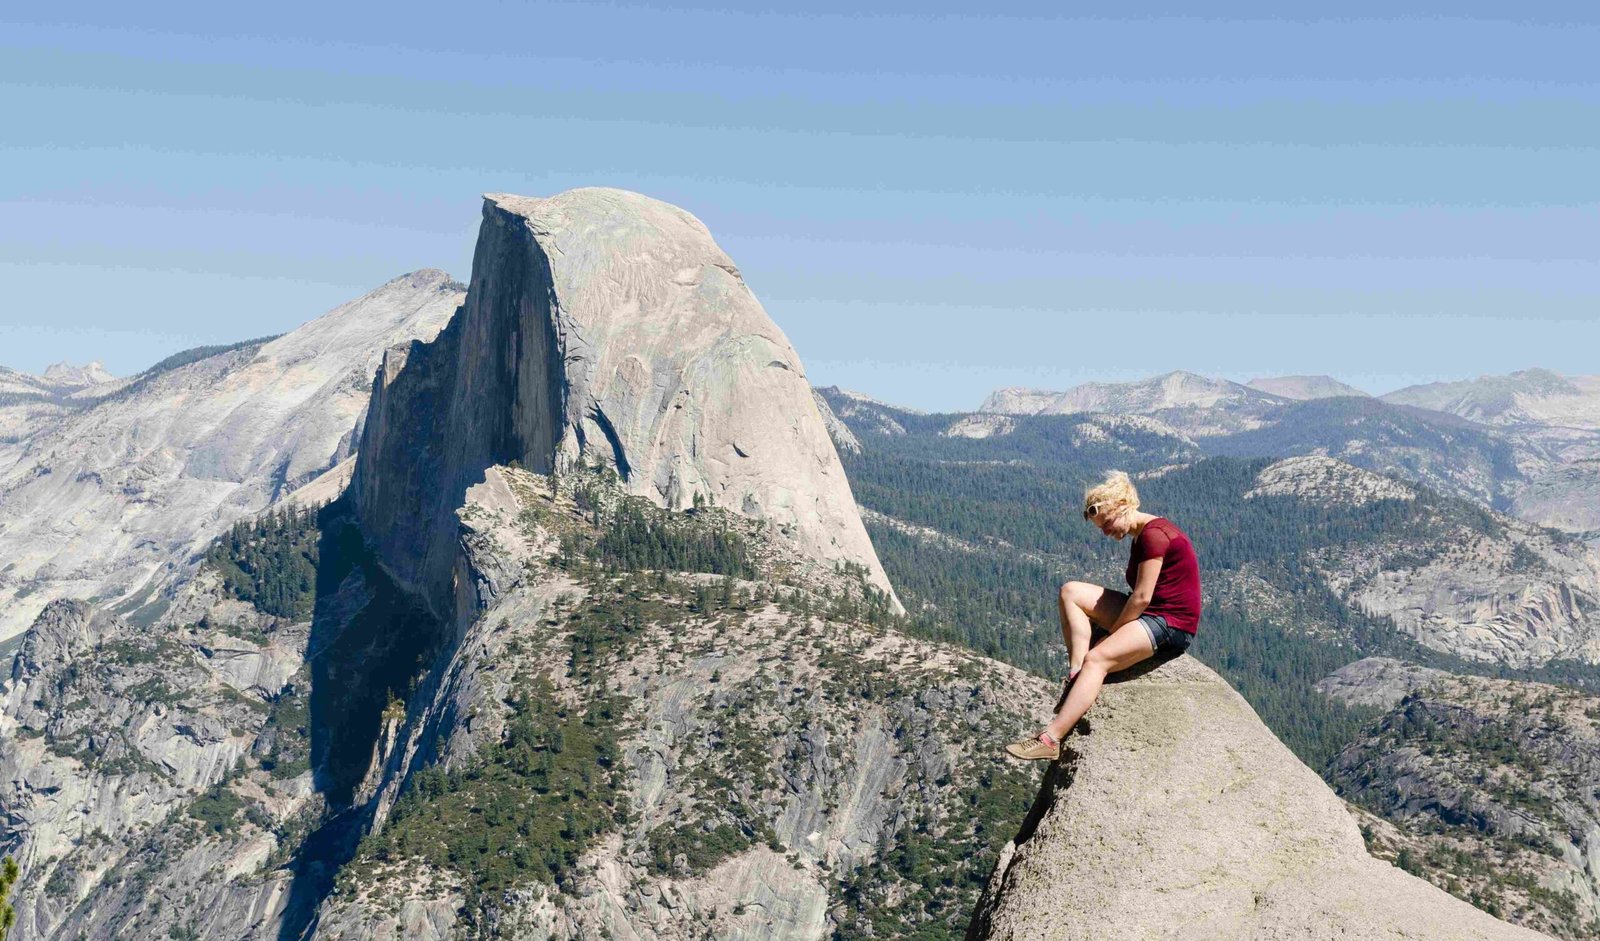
{"x": 288, "y": 729}
{"x": 217, "y": 809}
{"x": 1018, "y": 514}
{"x": 523, "y": 809}
{"x": 632, "y": 534}
{"x": 271, "y": 561}
{"x": 926, "y": 884}
{"x": 730, "y": 783}
{"x": 8, "y": 878}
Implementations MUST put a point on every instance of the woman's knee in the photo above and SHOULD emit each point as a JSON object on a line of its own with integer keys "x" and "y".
{"x": 1074, "y": 592}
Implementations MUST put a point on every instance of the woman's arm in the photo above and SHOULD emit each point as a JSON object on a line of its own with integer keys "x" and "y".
{"x": 1144, "y": 588}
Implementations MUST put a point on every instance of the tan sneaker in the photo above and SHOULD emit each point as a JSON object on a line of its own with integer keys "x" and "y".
{"x": 1033, "y": 748}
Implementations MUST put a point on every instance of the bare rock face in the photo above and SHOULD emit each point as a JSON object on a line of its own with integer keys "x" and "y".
{"x": 1478, "y": 584}
{"x": 1018, "y": 401}
{"x": 602, "y": 326}
{"x": 1325, "y": 481}
{"x": 1567, "y": 498}
{"x": 114, "y": 499}
{"x": 843, "y": 438}
{"x": 1181, "y": 816}
{"x": 66, "y": 374}
{"x": 865, "y": 414}
{"x": 1377, "y": 681}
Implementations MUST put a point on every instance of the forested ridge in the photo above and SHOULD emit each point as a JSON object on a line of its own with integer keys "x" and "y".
{"x": 1015, "y": 503}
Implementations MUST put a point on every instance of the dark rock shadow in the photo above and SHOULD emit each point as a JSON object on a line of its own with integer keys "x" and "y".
{"x": 369, "y": 642}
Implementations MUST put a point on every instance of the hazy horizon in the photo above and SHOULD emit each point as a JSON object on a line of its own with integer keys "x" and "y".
{"x": 39, "y": 371}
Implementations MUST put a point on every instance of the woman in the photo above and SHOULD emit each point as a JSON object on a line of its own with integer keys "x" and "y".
{"x": 1159, "y": 618}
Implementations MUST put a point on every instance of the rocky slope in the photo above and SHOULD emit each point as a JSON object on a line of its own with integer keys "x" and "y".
{"x": 1177, "y": 814}
{"x": 1531, "y": 396}
{"x": 112, "y": 500}
{"x": 765, "y": 751}
{"x": 28, "y": 401}
{"x": 1566, "y": 497}
{"x": 122, "y": 755}
{"x": 601, "y": 326}
{"x": 753, "y": 749}
{"x": 66, "y": 375}
{"x": 1515, "y": 444}
{"x": 1554, "y": 418}
{"x": 1486, "y": 787}
{"x": 1442, "y": 452}
{"x": 1475, "y": 584}
{"x": 1304, "y": 387}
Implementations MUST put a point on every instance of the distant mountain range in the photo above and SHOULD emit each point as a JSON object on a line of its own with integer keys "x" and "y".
{"x": 1526, "y": 443}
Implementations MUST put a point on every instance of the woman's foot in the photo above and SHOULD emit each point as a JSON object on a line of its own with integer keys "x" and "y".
{"x": 1035, "y": 748}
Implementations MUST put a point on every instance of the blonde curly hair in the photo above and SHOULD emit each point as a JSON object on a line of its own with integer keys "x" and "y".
{"x": 1113, "y": 497}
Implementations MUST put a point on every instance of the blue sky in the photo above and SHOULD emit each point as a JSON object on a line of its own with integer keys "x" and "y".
{"x": 931, "y": 203}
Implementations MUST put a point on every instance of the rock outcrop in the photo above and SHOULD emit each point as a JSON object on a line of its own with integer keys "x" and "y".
{"x": 1324, "y": 481}
{"x": 1179, "y": 815}
{"x": 113, "y": 499}
{"x": 66, "y": 375}
{"x": 1484, "y": 785}
{"x": 1460, "y": 580}
{"x": 601, "y": 326}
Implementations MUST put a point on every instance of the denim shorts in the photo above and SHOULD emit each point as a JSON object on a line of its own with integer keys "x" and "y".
{"x": 1167, "y": 640}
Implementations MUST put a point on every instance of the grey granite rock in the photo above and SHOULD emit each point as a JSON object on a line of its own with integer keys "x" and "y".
{"x": 601, "y": 326}
{"x": 1377, "y": 681}
{"x": 114, "y": 499}
{"x": 1181, "y": 816}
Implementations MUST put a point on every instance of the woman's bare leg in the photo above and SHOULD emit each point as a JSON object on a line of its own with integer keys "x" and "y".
{"x": 1129, "y": 645}
{"x": 1082, "y": 607}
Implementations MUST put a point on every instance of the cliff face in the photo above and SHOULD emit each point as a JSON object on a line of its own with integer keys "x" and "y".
{"x": 1179, "y": 815}
{"x": 601, "y": 327}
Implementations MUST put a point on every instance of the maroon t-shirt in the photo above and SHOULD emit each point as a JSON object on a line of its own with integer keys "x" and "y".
{"x": 1177, "y": 593}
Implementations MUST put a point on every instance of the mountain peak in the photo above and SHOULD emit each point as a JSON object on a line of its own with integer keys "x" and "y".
{"x": 66, "y": 374}
{"x": 1304, "y": 387}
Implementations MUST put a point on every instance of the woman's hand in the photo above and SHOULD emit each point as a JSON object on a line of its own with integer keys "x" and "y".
{"x": 1144, "y": 588}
